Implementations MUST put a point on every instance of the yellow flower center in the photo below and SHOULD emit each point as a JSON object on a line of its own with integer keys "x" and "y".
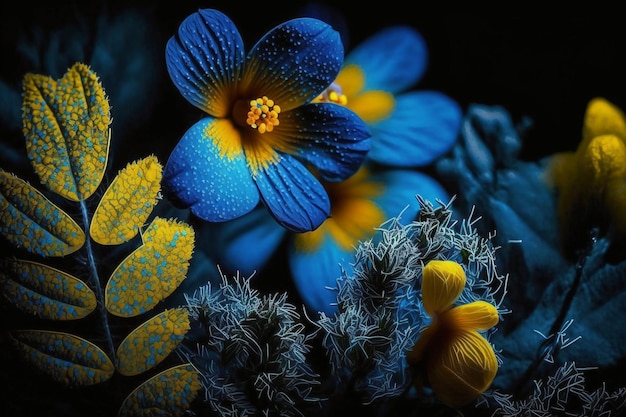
{"x": 263, "y": 114}
{"x": 372, "y": 106}
{"x": 333, "y": 94}
{"x": 348, "y": 197}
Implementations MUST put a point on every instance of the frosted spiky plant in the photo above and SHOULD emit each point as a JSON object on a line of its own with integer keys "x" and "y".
{"x": 562, "y": 394}
{"x": 251, "y": 351}
{"x": 380, "y": 312}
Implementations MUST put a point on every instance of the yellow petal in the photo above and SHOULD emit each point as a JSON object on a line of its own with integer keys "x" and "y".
{"x": 602, "y": 161}
{"x": 351, "y": 79}
{"x": 462, "y": 370}
{"x": 602, "y": 118}
{"x": 372, "y": 106}
{"x": 442, "y": 284}
{"x": 479, "y": 315}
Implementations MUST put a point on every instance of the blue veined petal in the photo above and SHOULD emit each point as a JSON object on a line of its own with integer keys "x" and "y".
{"x": 293, "y": 196}
{"x": 215, "y": 187}
{"x": 392, "y": 59}
{"x": 294, "y": 62}
{"x": 315, "y": 274}
{"x": 423, "y": 126}
{"x": 204, "y": 59}
{"x": 256, "y": 229}
{"x": 331, "y": 137}
{"x": 401, "y": 188}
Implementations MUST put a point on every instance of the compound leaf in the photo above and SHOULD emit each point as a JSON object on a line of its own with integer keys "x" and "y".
{"x": 45, "y": 292}
{"x": 29, "y": 220}
{"x": 66, "y": 127}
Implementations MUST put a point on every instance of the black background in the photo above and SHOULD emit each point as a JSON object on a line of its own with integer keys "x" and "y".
{"x": 543, "y": 67}
{"x": 540, "y": 67}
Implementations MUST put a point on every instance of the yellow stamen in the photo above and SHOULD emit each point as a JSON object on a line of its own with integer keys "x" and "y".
{"x": 333, "y": 94}
{"x": 263, "y": 114}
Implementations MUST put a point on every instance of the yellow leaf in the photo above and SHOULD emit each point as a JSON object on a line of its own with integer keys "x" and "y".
{"x": 66, "y": 127}
{"x": 29, "y": 220}
{"x": 152, "y": 342}
{"x": 46, "y": 292}
{"x": 153, "y": 271}
{"x": 127, "y": 203}
{"x": 68, "y": 359}
{"x": 168, "y": 393}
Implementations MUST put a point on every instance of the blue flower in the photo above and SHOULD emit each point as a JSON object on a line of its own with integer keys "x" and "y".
{"x": 262, "y": 140}
{"x": 374, "y": 82}
{"x": 408, "y": 130}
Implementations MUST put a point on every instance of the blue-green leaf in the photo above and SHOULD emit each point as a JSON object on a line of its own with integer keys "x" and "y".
{"x": 45, "y": 292}
{"x": 168, "y": 393}
{"x": 29, "y": 220}
{"x": 66, "y": 127}
{"x": 67, "y": 359}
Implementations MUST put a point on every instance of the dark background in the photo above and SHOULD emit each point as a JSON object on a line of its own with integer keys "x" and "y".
{"x": 535, "y": 66}
{"x": 546, "y": 68}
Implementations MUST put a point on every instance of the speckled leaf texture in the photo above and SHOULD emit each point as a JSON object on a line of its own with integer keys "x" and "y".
{"x": 127, "y": 203}
{"x": 153, "y": 271}
{"x": 151, "y": 342}
{"x": 45, "y": 292}
{"x": 67, "y": 359}
{"x": 168, "y": 393}
{"x": 513, "y": 200}
{"x": 30, "y": 220}
{"x": 66, "y": 127}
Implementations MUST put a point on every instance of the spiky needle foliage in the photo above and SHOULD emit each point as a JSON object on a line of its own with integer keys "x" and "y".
{"x": 251, "y": 352}
{"x": 380, "y": 314}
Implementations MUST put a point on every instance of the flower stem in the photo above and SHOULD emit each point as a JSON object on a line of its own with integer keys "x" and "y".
{"x": 551, "y": 346}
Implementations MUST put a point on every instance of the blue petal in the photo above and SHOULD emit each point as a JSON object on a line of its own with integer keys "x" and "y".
{"x": 294, "y": 62}
{"x": 401, "y": 188}
{"x": 197, "y": 176}
{"x": 205, "y": 58}
{"x": 315, "y": 274}
{"x": 423, "y": 126}
{"x": 293, "y": 195}
{"x": 329, "y": 15}
{"x": 331, "y": 138}
{"x": 244, "y": 244}
{"x": 393, "y": 59}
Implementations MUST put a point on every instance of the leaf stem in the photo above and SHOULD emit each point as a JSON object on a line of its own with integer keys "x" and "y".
{"x": 96, "y": 282}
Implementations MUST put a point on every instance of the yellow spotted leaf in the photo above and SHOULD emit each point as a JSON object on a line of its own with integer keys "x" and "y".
{"x": 45, "y": 292}
{"x": 29, "y": 220}
{"x": 67, "y": 359}
{"x": 168, "y": 393}
{"x": 152, "y": 341}
{"x": 66, "y": 127}
{"x": 153, "y": 271}
{"x": 128, "y": 202}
